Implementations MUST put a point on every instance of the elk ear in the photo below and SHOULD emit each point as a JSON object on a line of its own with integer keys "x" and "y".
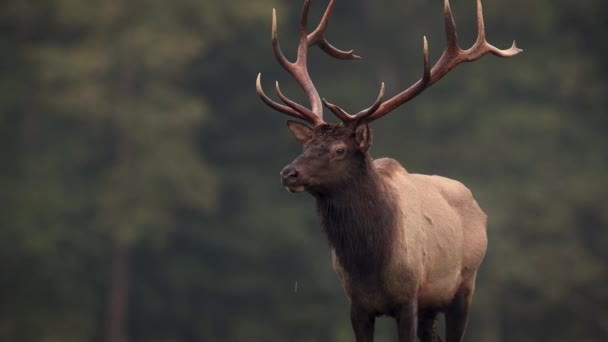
{"x": 301, "y": 132}
{"x": 363, "y": 137}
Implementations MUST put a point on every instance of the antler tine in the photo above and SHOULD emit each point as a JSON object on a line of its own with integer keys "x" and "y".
{"x": 451, "y": 57}
{"x": 374, "y": 106}
{"x": 277, "y": 106}
{"x": 481, "y": 29}
{"x": 482, "y": 42}
{"x": 348, "y": 118}
{"x": 339, "y": 112}
{"x": 298, "y": 107}
{"x": 426, "y": 77}
{"x": 451, "y": 33}
{"x": 317, "y": 37}
{"x": 276, "y": 46}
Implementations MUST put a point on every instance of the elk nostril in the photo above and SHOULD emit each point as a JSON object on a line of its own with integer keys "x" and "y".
{"x": 290, "y": 173}
{"x": 293, "y": 174}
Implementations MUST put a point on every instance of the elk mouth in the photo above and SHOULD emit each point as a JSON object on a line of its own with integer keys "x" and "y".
{"x": 295, "y": 188}
{"x": 293, "y": 185}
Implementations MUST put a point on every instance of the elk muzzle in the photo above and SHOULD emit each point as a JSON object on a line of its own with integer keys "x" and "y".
{"x": 290, "y": 178}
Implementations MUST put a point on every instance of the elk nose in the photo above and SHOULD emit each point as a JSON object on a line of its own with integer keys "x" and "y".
{"x": 289, "y": 173}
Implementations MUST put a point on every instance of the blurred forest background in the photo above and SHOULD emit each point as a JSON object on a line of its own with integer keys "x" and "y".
{"x": 139, "y": 170}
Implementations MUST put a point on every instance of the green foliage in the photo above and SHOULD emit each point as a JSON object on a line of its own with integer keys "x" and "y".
{"x": 136, "y": 125}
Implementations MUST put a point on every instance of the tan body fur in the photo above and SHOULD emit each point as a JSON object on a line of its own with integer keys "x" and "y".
{"x": 437, "y": 248}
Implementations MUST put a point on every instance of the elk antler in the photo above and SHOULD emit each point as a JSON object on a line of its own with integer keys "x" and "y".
{"x": 451, "y": 57}
{"x": 299, "y": 70}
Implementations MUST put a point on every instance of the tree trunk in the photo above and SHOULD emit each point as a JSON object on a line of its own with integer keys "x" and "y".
{"x": 118, "y": 297}
{"x": 491, "y": 325}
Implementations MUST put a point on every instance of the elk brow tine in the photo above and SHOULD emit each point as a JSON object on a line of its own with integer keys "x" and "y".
{"x": 311, "y": 117}
{"x": 276, "y": 106}
{"x": 366, "y": 112}
{"x": 339, "y": 112}
{"x": 346, "y": 118}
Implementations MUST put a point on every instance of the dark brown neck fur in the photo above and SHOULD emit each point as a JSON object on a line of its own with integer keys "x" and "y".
{"x": 359, "y": 221}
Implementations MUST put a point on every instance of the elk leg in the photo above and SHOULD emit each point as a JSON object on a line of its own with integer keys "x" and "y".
{"x": 407, "y": 322}
{"x": 362, "y": 323}
{"x": 426, "y": 327}
{"x": 457, "y": 314}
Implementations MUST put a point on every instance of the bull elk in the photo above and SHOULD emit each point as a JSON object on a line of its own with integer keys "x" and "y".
{"x": 403, "y": 245}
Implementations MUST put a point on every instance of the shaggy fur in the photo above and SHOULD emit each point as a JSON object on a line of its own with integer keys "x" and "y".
{"x": 359, "y": 222}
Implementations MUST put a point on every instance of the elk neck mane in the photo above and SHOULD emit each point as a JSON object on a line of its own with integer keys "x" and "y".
{"x": 359, "y": 220}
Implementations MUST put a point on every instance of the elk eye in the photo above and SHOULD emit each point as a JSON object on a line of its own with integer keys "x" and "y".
{"x": 341, "y": 151}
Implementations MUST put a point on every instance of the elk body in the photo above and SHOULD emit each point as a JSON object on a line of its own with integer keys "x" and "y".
{"x": 404, "y": 245}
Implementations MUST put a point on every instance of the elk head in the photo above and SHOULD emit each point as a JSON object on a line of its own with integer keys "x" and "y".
{"x": 336, "y": 153}
{"x": 333, "y": 155}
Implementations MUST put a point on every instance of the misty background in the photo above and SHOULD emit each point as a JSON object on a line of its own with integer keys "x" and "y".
{"x": 139, "y": 176}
